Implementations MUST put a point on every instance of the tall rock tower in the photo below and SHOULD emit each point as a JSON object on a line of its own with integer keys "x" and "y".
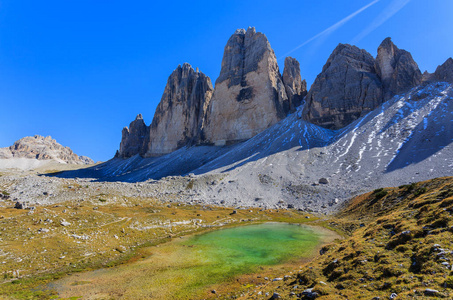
{"x": 249, "y": 94}
{"x": 347, "y": 87}
{"x": 179, "y": 115}
{"x": 396, "y": 68}
{"x": 296, "y": 88}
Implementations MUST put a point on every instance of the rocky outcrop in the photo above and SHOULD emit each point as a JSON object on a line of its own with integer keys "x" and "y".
{"x": 347, "y": 87}
{"x": 42, "y": 148}
{"x": 179, "y": 116}
{"x": 134, "y": 139}
{"x": 397, "y": 69}
{"x": 444, "y": 72}
{"x": 295, "y": 87}
{"x": 249, "y": 94}
{"x": 353, "y": 83}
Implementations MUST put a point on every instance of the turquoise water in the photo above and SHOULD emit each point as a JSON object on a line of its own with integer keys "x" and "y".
{"x": 239, "y": 249}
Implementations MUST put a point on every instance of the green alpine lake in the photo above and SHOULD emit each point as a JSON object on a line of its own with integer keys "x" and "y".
{"x": 189, "y": 266}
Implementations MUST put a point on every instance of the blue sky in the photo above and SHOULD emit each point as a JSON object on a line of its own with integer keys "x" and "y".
{"x": 82, "y": 70}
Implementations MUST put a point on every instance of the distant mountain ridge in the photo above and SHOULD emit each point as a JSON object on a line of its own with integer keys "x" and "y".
{"x": 42, "y": 148}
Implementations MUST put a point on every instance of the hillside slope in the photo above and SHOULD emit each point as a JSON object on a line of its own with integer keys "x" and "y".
{"x": 400, "y": 245}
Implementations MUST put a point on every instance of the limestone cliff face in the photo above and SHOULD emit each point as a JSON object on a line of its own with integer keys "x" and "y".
{"x": 347, "y": 87}
{"x": 42, "y": 148}
{"x": 178, "y": 118}
{"x": 134, "y": 139}
{"x": 396, "y": 68}
{"x": 444, "y": 72}
{"x": 295, "y": 87}
{"x": 179, "y": 115}
{"x": 249, "y": 94}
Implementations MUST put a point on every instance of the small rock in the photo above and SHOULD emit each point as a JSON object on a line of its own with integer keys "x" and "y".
{"x": 277, "y": 279}
{"x": 121, "y": 249}
{"x": 276, "y": 296}
{"x": 393, "y": 296}
{"x": 44, "y": 230}
{"x": 323, "y": 181}
{"x": 19, "y": 205}
{"x": 431, "y": 292}
{"x": 64, "y": 223}
{"x": 309, "y": 293}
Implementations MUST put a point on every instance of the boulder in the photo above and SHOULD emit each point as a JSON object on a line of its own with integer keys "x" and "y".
{"x": 396, "y": 68}
{"x": 346, "y": 89}
{"x": 444, "y": 72}
{"x": 323, "y": 180}
{"x": 20, "y": 205}
{"x": 249, "y": 94}
{"x": 295, "y": 87}
{"x": 179, "y": 116}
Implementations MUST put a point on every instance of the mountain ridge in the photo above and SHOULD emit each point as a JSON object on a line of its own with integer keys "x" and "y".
{"x": 42, "y": 148}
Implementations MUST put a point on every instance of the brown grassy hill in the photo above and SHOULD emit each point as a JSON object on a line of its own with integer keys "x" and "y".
{"x": 400, "y": 245}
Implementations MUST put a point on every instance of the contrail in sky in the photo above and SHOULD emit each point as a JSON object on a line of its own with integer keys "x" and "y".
{"x": 386, "y": 14}
{"x": 333, "y": 27}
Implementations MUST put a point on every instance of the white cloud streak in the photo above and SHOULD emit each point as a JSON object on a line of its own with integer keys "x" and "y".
{"x": 394, "y": 7}
{"x": 333, "y": 27}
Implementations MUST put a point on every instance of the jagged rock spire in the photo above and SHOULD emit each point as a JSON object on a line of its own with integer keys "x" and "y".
{"x": 295, "y": 87}
{"x": 396, "y": 68}
{"x": 134, "y": 139}
{"x": 444, "y": 72}
{"x": 178, "y": 118}
{"x": 249, "y": 93}
{"x": 347, "y": 87}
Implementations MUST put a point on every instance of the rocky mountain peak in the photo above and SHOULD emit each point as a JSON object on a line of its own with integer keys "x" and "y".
{"x": 352, "y": 83}
{"x": 295, "y": 87}
{"x": 346, "y": 88}
{"x": 42, "y": 148}
{"x": 134, "y": 139}
{"x": 178, "y": 118}
{"x": 249, "y": 93}
{"x": 396, "y": 68}
{"x": 444, "y": 72}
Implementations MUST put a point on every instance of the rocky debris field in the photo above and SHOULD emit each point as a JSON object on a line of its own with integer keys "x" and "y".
{"x": 33, "y": 190}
